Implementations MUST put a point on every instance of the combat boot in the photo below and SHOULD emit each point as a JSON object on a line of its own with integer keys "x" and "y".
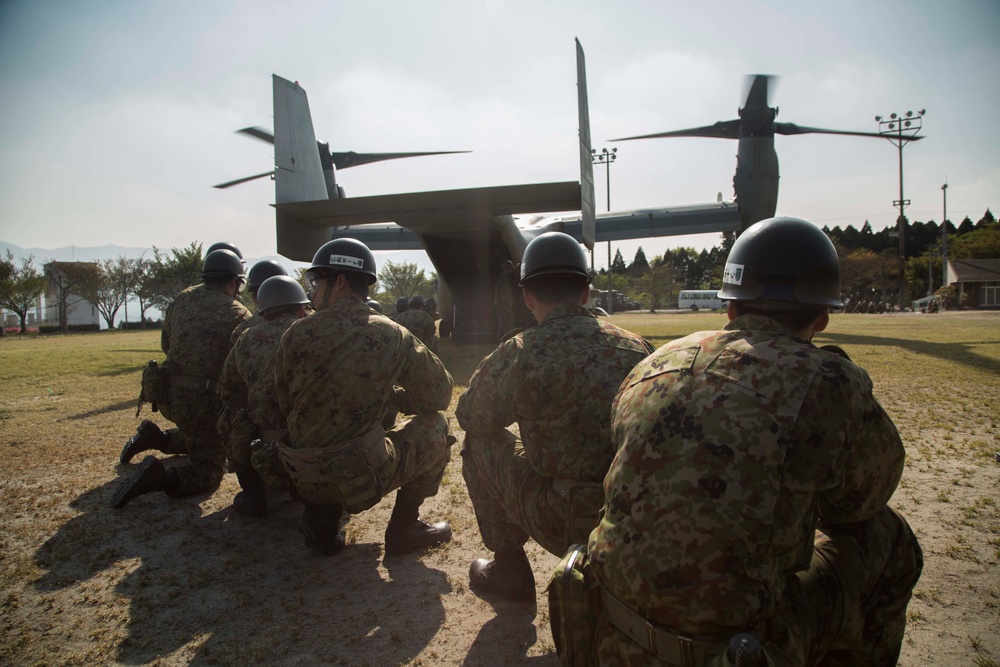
{"x": 252, "y": 500}
{"x": 151, "y": 476}
{"x": 406, "y": 532}
{"x": 320, "y": 526}
{"x": 147, "y": 436}
{"x": 508, "y": 575}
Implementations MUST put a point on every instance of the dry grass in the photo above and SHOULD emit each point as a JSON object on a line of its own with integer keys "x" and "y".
{"x": 187, "y": 581}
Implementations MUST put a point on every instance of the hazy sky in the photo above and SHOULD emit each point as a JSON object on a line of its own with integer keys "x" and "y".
{"x": 118, "y": 116}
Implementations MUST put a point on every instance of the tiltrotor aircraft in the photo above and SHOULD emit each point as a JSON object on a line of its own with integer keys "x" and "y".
{"x": 467, "y": 233}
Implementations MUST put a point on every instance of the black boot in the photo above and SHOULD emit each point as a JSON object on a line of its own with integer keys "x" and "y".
{"x": 151, "y": 476}
{"x": 320, "y": 526}
{"x": 147, "y": 436}
{"x": 252, "y": 500}
{"x": 508, "y": 575}
{"x": 406, "y": 532}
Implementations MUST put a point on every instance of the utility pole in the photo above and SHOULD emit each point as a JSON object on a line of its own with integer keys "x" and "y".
{"x": 606, "y": 157}
{"x": 944, "y": 237}
{"x": 900, "y": 130}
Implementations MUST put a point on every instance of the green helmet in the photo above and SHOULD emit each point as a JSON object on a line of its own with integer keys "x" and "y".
{"x": 402, "y": 304}
{"x": 553, "y": 253}
{"x": 222, "y": 264}
{"x": 374, "y": 305}
{"x": 783, "y": 264}
{"x": 224, "y": 245}
{"x": 349, "y": 255}
{"x": 261, "y": 271}
{"x": 416, "y": 301}
{"x": 278, "y": 291}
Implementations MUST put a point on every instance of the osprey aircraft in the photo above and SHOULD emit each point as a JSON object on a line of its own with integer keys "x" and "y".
{"x": 468, "y": 234}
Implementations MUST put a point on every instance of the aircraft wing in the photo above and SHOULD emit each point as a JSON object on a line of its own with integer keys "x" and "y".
{"x": 380, "y": 237}
{"x": 305, "y": 225}
{"x": 648, "y": 223}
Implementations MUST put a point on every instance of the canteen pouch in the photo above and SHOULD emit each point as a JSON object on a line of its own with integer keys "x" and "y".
{"x": 155, "y": 386}
{"x": 267, "y": 462}
{"x": 574, "y": 608}
{"x": 346, "y": 472}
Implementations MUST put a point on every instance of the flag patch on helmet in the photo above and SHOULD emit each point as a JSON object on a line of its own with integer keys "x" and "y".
{"x": 344, "y": 260}
{"x": 733, "y": 274}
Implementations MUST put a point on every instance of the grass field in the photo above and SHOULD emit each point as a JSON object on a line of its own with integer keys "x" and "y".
{"x": 189, "y": 582}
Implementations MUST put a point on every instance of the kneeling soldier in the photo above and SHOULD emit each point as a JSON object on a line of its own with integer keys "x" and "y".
{"x": 250, "y": 406}
{"x": 556, "y": 380}
{"x": 335, "y": 373}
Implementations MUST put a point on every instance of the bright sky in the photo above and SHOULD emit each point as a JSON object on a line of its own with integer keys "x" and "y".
{"x": 118, "y": 116}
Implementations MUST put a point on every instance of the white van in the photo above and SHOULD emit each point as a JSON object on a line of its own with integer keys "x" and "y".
{"x": 697, "y": 299}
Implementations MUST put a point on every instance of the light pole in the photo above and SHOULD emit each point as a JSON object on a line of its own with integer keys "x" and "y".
{"x": 944, "y": 238}
{"x": 900, "y": 130}
{"x": 606, "y": 157}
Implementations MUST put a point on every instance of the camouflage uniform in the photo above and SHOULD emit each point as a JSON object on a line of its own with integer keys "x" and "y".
{"x": 248, "y": 383}
{"x": 243, "y": 326}
{"x": 556, "y": 381}
{"x": 335, "y": 373}
{"x": 733, "y": 448}
{"x": 420, "y": 324}
{"x": 195, "y": 338}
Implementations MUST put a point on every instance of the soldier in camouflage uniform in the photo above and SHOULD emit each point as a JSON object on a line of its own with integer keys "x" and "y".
{"x": 195, "y": 338}
{"x": 259, "y": 272}
{"x": 419, "y": 322}
{"x": 556, "y": 381}
{"x": 246, "y": 388}
{"x": 749, "y": 493}
{"x": 402, "y": 305}
{"x": 335, "y": 373}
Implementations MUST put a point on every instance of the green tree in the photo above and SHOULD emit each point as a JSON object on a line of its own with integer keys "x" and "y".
{"x": 20, "y": 287}
{"x": 404, "y": 280}
{"x": 618, "y": 264}
{"x": 144, "y": 288}
{"x": 107, "y": 284}
{"x": 173, "y": 273}
{"x": 639, "y": 265}
{"x": 63, "y": 280}
{"x": 979, "y": 243}
{"x": 659, "y": 283}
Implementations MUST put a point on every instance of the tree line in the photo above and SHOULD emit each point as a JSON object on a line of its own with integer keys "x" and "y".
{"x": 154, "y": 281}
{"x": 869, "y": 271}
{"x": 869, "y": 262}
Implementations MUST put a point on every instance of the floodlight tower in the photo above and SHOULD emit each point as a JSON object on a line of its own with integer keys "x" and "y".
{"x": 606, "y": 157}
{"x": 900, "y": 130}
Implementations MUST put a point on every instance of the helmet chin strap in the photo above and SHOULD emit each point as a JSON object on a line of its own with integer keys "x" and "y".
{"x": 333, "y": 290}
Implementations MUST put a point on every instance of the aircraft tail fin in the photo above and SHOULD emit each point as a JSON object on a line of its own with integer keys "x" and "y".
{"x": 298, "y": 173}
{"x": 587, "y": 212}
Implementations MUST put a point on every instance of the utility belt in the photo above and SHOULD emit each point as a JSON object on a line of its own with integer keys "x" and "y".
{"x": 584, "y": 501}
{"x": 671, "y": 647}
{"x": 194, "y": 382}
{"x": 347, "y": 472}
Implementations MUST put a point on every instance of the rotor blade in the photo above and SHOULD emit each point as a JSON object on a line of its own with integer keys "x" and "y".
{"x": 352, "y": 159}
{"x": 792, "y": 128}
{"x": 727, "y": 129}
{"x": 258, "y": 133}
{"x": 757, "y": 90}
{"x": 242, "y": 180}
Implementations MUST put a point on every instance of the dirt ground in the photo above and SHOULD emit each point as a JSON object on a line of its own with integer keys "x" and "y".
{"x": 189, "y": 582}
